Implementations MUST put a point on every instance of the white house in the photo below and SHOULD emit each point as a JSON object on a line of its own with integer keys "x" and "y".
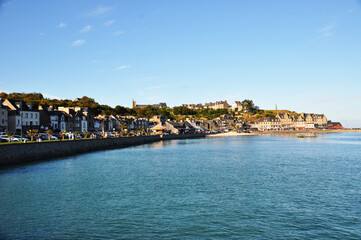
{"x": 237, "y": 105}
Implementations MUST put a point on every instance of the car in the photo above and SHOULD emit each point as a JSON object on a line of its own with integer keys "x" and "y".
{"x": 17, "y": 138}
{"x": 46, "y": 137}
{"x": 5, "y": 138}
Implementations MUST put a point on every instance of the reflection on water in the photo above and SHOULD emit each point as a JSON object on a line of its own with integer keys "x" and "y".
{"x": 259, "y": 187}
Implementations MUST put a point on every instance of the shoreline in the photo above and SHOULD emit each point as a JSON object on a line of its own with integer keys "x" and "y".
{"x": 308, "y": 131}
{"x": 235, "y": 134}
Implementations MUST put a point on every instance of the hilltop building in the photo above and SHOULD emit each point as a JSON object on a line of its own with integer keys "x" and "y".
{"x": 159, "y": 105}
{"x": 237, "y": 105}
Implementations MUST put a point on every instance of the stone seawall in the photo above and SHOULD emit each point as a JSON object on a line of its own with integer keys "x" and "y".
{"x": 30, "y": 152}
{"x": 183, "y": 136}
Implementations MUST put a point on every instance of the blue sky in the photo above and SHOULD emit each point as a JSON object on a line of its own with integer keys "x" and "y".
{"x": 301, "y": 55}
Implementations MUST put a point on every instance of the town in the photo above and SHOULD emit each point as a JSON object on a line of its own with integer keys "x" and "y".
{"x": 85, "y": 117}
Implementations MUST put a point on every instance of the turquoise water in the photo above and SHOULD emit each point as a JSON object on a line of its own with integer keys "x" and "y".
{"x": 260, "y": 187}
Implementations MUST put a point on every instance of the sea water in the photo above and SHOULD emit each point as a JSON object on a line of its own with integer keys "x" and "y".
{"x": 256, "y": 187}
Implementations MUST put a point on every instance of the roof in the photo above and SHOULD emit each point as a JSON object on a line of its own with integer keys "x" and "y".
{"x": 18, "y": 105}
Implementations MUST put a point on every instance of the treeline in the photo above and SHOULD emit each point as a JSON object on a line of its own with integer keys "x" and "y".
{"x": 37, "y": 99}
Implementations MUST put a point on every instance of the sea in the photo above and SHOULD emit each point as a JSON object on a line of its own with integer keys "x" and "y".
{"x": 253, "y": 187}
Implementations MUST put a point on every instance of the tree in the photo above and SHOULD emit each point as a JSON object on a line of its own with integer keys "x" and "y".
{"x": 106, "y": 110}
{"x": 9, "y": 134}
{"x": 86, "y": 133}
{"x": 49, "y": 133}
{"x": 32, "y": 133}
{"x": 62, "y": 134}
{"x": 123, "y": 126}
{"x": 119, "y": 110}
{"x": 248, "y": 106}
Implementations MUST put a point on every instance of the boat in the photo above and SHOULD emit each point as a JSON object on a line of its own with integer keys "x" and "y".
{"x": 307, "y": 135}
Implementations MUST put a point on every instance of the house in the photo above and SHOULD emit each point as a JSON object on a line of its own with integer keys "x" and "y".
{"x": 175, "y": 127}
{"x": 269, "y": 124}
{"x": 103, "y": 123}
{"x": 209, "y": 105}
{"x": 66, "y": 122}
{"x": 22, "y": 116}
{"x": 197, "y": 125}
{"x": 158, "y": 119}
{"x": 253, "y": 126}
{"x": 334, "y": 125}
{"x": 286, "y": 120}
{"x": 90, "y": 118}
{"x": 79, "y": 117}
{"x": 80, "y": 122}
{"x": 189, "y": 128}
{"x": 237, "y": 106}
{"x": 299, "y": 122}
{"x": 221, "y": 105}
{"x": 4, "y": 119}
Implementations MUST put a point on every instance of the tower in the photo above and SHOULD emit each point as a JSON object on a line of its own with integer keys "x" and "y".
{"x": 134, "y": 103}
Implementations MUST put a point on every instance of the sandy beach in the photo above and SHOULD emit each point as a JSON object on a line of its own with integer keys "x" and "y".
{"x": 231, "y": 134}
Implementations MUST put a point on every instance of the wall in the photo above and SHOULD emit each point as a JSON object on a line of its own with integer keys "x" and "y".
{"x": 183, "y": 136}
{"x": 30, "y": 152}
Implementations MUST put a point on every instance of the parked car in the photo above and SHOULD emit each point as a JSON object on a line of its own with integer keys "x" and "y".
{"x": 17, "y": 138}
{"x": 5, "y": 138}
{"x": 46, "y": 137}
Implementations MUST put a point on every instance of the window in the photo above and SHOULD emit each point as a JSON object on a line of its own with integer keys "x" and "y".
{"x": 26, "y": 115}
{"x": 31, "y": 115}
{"x": 2, "y": 121}
{"x": 36, "y": 115}
{"x": 2, "y": 112}
{"x": 36, "y": 122}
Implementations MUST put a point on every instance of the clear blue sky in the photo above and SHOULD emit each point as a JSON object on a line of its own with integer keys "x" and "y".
{"x": 301, "y": 55}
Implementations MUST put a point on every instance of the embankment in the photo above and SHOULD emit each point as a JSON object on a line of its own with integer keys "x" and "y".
{"x": 31, "y": 152}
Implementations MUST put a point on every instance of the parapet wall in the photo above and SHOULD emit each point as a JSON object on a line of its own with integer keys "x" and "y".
{"x": 30, "y": 152}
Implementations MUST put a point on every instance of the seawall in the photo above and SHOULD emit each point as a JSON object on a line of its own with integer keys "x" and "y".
{"x": 30, "y": 152}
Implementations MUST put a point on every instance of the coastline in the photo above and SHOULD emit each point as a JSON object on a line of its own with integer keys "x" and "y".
{"x": 308, "y": 131}
{"x": 235, "y": 134}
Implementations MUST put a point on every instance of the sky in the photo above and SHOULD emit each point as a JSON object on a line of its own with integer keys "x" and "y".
{"x": 303, "y": 56}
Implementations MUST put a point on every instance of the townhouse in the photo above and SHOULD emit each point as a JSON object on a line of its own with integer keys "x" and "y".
{"x": 3, "y": 117}
{"x": 21, "y": 116}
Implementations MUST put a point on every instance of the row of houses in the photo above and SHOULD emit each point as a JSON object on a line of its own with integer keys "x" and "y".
{"x": 19, "y": 115}
{"x": 285, "y": 121}
{"x": 223, "y": 123}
